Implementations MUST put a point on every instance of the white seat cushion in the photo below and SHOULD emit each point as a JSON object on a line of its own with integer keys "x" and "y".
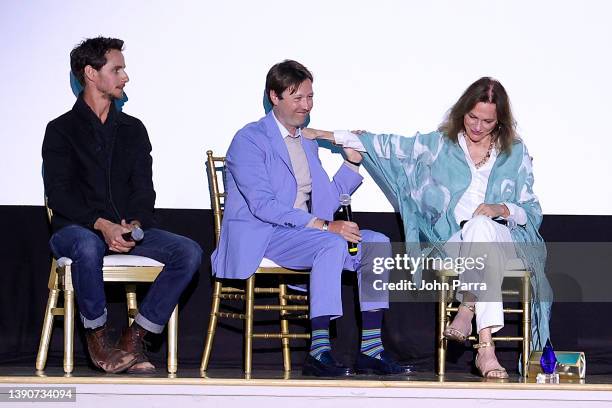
{"x": 130, "y": 260}
{"x": 118, "y": 260}
{"x": 266, "y": 263}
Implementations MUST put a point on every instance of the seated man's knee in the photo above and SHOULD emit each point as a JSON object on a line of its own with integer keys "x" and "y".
{"x": 330, "y": 246}
{"x": 375, "y": 244}
{"x": 88, "y": 246}
{"x": 373, "y": 236}
{"x": 334, "y": 242}
{"x": 196, "y": 254}
{"x": 190, "y": 254}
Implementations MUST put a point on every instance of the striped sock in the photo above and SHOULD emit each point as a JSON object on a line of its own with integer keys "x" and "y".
{"x": 371, "y": 343}
{"x": 319, "y": 342}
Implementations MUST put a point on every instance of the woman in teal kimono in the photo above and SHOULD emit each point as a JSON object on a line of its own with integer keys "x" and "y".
{"x": 465, "y": 190}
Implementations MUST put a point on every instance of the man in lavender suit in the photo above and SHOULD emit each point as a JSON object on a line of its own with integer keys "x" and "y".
{"x": 280, "y": 205}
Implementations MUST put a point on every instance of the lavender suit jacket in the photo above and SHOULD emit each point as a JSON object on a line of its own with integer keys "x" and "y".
{"x": 261, "y": 190}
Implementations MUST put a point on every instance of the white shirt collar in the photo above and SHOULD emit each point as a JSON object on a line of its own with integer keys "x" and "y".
{"x": 464, "y": 147}
{"x": 283, "y": 130}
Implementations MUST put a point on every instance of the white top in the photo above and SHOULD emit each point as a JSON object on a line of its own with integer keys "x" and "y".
{"x": 475, "y": 193}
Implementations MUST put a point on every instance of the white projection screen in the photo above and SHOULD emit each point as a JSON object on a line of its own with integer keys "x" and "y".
{"x": 197, "y": 72}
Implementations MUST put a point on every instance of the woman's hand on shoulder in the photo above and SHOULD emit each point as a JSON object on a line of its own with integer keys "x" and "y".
{"x": 310, "y": 133}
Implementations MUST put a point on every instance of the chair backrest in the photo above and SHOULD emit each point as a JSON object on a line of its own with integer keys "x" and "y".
{"x": 215, "y": 167}
{"x": 49, "y": 210}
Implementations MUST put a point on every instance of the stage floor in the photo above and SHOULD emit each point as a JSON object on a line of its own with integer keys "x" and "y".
{"x": 229, "y": 388}
{"x": 84, "y": 375}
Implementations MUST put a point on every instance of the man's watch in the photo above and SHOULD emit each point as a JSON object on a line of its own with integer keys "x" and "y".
{"x": 325, "y": 226}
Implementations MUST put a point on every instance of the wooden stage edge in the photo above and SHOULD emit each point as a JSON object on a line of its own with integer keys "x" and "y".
{"x": 229, "y": 389}
{"x": 512, "y": 384}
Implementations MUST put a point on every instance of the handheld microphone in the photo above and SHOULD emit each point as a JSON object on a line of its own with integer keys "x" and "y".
{"x": 137, "y": 234}
{"x": 345, "y": 203}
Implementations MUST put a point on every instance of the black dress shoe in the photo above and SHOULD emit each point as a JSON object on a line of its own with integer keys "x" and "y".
{"x": 385, "y": 365}
{"x": 325, "y": 366}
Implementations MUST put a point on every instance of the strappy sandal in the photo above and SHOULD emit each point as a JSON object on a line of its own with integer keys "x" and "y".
{"x": 450, "y": 333}
{"x": 492, "y": 366}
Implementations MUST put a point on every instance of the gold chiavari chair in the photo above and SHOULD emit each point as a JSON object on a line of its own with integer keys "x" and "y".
{"x": 215, "y": 166}
{"x": 128, "y": 269}
{"x": 514, "y": 270}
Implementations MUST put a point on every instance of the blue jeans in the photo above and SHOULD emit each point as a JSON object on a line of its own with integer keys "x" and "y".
{"x": 180, "y": 255}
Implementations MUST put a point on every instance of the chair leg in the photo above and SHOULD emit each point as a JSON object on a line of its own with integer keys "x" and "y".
{"x": 248, "y": 324}
{"x": 132, "y": 303}
{"x": 68, "y": 331}
{"x": 45, "y": 337}
{"x": 442, "y": 317}
{"x": 212, "y": 325}
{"x": 526, "y": 323}
{"x": 173, "y": 342}
{"x": 284, "y": 324}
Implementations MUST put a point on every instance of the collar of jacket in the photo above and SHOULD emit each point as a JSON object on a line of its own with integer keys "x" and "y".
{"x": 85, "y": 113}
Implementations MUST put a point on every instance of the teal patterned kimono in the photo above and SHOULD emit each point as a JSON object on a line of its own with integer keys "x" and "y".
{"x": 426, "y": 175}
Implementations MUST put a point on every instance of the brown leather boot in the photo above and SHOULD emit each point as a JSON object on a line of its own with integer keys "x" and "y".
{"x": 103, "y": 355}
{"x": 131, "y": 341}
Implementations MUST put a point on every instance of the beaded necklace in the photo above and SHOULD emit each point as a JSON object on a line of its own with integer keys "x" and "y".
{"x": 486, "y": 156}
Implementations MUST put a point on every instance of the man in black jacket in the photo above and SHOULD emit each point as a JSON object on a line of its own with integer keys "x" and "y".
{"x": 98, "y": 180}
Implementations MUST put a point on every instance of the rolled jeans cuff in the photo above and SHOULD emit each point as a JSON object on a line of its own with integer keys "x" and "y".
{"x": 148, "y": 325}
{"x": 95, "y": 323}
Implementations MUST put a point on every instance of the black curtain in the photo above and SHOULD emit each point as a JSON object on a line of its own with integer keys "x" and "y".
{"x": 409, "y": 328}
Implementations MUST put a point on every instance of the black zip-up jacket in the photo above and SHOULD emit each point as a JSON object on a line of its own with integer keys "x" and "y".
{"x": 88, "y": 175}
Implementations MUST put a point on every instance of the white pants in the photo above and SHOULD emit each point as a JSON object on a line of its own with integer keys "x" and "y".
{"x": 491, "y": 241}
